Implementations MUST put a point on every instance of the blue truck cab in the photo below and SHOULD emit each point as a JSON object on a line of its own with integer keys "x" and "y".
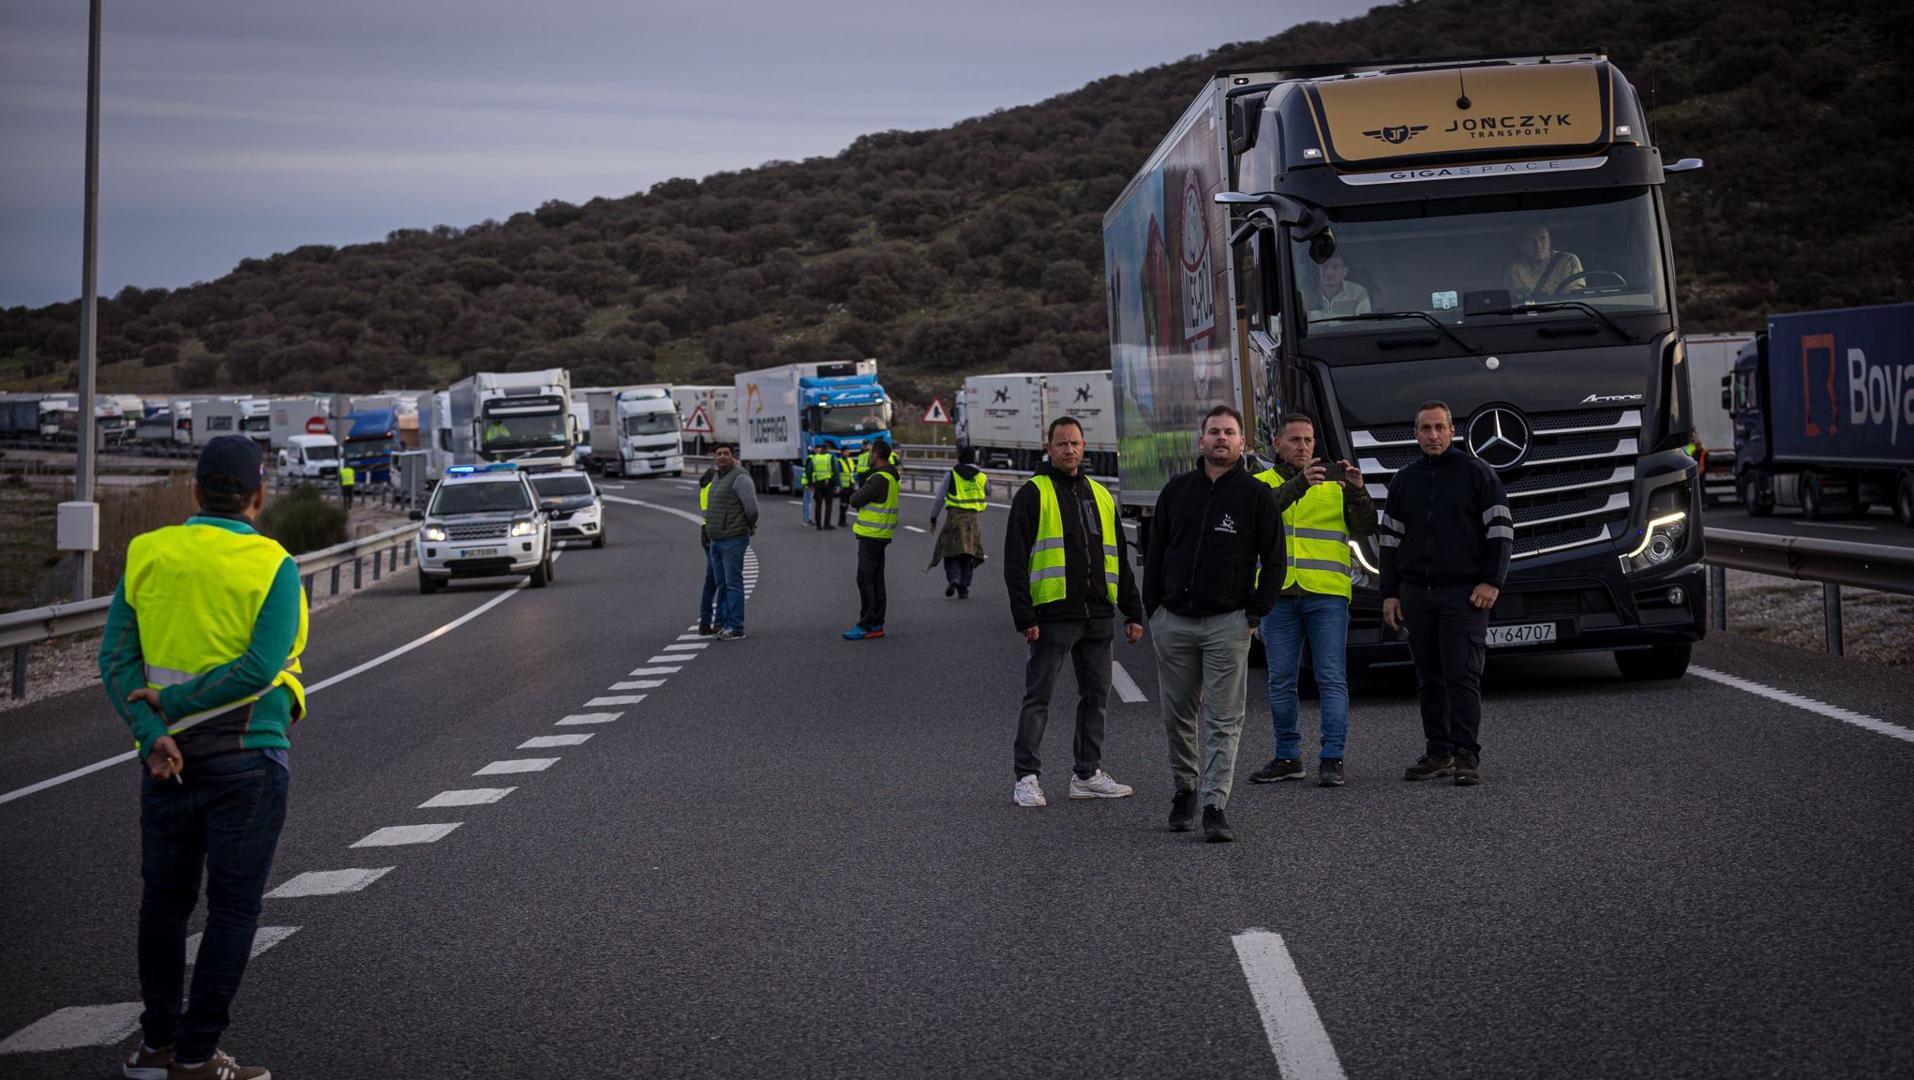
{"x": 371, "y": 437}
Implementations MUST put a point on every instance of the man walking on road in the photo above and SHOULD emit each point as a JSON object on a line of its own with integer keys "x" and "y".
{"x": 201, "y": 658}
{"x": 731, "y": 517}
{"x": 821, "y": 475}
{"x": 1215, "y": 528}
{"x": 348, "y": 479}
{"x": 876, "y": 504}
{"x": 1068, "y": 573}
{"x": 960, "y": 543}
{"x": 1446, "y": 537}
{"x": 1314, "y": 604}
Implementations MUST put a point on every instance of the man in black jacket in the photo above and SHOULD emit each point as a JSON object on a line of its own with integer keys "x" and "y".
{"x": 1067, "y": 614}
{"x": 1215, "y": 526}
{"x": 1446, "y": 535}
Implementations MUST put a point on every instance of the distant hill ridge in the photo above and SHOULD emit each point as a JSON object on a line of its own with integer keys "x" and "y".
{"x": 978, "y": 247}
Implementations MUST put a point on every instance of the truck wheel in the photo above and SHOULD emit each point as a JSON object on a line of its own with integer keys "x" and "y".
{"x": 1753, "y": 499}
{"x": 1811, "y": 507}
{"x": 1660, "y": 662}
{"x": 429, "y": 584}
{"x": 1904, "y": 500}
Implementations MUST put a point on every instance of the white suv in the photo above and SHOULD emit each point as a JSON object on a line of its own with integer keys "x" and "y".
{"x": 483, "y": 521}
{"x": 572, "y": 504}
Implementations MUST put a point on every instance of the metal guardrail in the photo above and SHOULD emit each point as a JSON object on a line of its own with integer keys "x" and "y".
{"x": 382, "y": 551}
{"x": 1833, "y": 563}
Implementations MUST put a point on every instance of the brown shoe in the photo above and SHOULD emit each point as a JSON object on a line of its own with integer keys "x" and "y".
{"x": 144, "y": 1064}
{"x": 220, "y": 1066}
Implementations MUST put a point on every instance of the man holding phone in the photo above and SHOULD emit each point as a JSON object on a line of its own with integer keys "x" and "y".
{"x": 1314, "y": 603}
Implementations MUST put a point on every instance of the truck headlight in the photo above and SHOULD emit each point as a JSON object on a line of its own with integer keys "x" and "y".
{"x": 1666, "y": 532}
{"x": 1362, "y": 557}
{"x": 432, "y": 533}
{"x": 524, "y": 527}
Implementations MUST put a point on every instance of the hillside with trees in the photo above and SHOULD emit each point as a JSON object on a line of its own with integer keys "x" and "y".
{"x": 978, "y": 247}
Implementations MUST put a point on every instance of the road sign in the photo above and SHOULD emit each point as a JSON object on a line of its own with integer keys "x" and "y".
{"x": 936, "y": 414}
{"x": 698, "y": 423}
{"x": 315, "y": 425}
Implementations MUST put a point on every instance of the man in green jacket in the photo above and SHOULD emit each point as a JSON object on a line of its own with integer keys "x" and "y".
{"x": 201, "y": 659}
{"x": 730, "y": 520}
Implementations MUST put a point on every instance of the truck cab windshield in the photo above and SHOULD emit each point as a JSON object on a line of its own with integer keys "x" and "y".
{"x": 507, "y": 432}
{"x": 1451, "y": 259}
{"x": 658, "y": 423}
{"x": 854, "y": 419}
{"x": 489, "y": 498}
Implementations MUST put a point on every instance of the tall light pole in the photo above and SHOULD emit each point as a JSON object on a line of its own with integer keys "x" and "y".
{"x": 83, "y": 463}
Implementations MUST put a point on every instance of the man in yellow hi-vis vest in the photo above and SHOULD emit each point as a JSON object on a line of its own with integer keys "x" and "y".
{"x": 348, "y": 479}
{"x": 201, "y": 659}
{"x": 1068, "y": 574}
{"x": 820, "y": 475}
{"x": 1318, "y": 574}
{"x": 875, "y": 501}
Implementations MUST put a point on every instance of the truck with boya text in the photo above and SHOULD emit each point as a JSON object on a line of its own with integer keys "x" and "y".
{"x": 1350, "y": 240}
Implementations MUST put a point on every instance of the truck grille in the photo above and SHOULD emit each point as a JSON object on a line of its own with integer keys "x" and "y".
{"x": 491, "y": 531}
{"x": 1571, "y": 490}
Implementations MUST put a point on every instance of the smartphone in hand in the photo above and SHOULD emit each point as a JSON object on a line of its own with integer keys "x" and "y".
{"x": 1333, "y": 472}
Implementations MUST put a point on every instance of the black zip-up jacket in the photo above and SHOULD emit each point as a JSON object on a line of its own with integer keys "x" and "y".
{"x": 1208, "y": 538}
{"x": 1447, "y": 522}
{"x": 1088, "y": 596}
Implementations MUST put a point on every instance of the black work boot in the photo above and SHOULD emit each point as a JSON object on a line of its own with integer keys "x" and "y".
{"x": 1216, "y": 828}
{"x": 1428, "y": 768}
{"x": 1183, "y": 811}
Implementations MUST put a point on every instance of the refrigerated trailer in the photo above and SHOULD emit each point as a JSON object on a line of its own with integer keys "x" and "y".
{"x": 1347, "y": 241}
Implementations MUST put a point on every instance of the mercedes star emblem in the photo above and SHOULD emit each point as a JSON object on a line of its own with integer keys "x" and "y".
{"x": 1500, "y": 436}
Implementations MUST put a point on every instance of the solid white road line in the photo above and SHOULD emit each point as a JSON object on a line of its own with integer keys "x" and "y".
{"x": 686, "y": 514}
{"x": 1296, "y": 1036}
{"x": 655, "y": 671}
{"x": 400, "y": 835}
{"x": 638, "y": 684}
{"x": 614, "y": 699}
{"x": 477, "y": 796}
{"x": 327, "y": 882}
{"x": 517, "y": 765}
{"x": 1819, "y": 708}
{"x": 589, "y": 718}
{"x": 1126, "y": 687}
{"x": 546, "y": 742}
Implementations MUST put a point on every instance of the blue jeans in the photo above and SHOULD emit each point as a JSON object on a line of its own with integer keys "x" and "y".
{"x": 223, "y": 820}
{"x": 728, "y": 556}
{"x": 1324, "y": 621}
{"x": 708, "y": 601}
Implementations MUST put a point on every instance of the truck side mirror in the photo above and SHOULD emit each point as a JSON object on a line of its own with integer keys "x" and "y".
{"x": 1725, "y": 399}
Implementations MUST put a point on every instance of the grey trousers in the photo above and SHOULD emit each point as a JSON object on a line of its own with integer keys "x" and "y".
{"x": 1202, "y": 666}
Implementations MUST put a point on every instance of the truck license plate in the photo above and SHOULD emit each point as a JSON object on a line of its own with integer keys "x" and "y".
{"x": 657, "y": 463}
{"x": 1521, "y": 634}
{"x": 489, "y": 553}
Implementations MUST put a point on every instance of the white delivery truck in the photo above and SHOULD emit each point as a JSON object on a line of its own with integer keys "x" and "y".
{"x": 309, "y": 457}
{"x": 1711, "y": 361}
{"x": 597, "y": 409}
{"x": 1087, "y": 396}
{"x": 708, "y": 414}
{"x": 1004, "y": 420}
{"x": 521, "y": 416}
{"x": 296, "y": 416}
{"x": 647, "y": 429}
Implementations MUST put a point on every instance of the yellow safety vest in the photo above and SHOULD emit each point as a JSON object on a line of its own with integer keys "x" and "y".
{"x": 878, "y": 520}
{"x": 967, "y": 494}
{"x": 821, "y": 468}
{"x": 197, "y": 590}
{"x": 704, "y": 502}
{"x": 1049, "y": 581}
{"x": 846, "y": 472}
{"x": 1315, "y": 540}
{"x": 347, "y": 475}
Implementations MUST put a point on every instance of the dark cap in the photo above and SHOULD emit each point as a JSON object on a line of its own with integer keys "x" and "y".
{"x": 231, "y": 465}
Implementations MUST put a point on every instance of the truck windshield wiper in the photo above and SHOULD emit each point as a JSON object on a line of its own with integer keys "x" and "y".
{"x": 1379, "y": 315}
{"x": 1561, "y": 305}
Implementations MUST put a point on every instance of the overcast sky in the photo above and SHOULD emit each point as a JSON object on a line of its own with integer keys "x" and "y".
{"x": 235, "y": 128}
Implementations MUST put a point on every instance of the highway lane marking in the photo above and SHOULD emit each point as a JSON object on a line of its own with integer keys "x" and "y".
{"x": 328, "y": 882}
{"x": 478, "y": 796}
{"x": 1126, "y": 687}
{"x": 401, "y": 835}
{"x": 686, "y": 514}
{"x": 638, "y": 684}
{"x": 1295, "y": 1031}
{"x": 913, "y": 528}
{"x": 692, "y": 636}
{"x": 655, "y": 671}
{"x": 431, "y": 636}
{"x": 672, "y": 658}
{"x": 546, "y": 742}
{"x": 614, "y": 699}
{"x": 1822, "y": 708}
{"x": 688, "y": 646}
{"x": 517, "y": 765}
{"x": 590, "y": 718}
{"x": 795, "y": 502}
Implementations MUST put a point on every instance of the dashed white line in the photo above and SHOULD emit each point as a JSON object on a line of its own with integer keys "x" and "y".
{"x": 517, "y": 765}
{"x": 614, "y": 699}
{"x": 589, "y": 718}
{"x": 79, "y": 1025}
{"x": 656, "y": 670}
{"x": 638, "y": 684}
{"x": 1296, "y": 1036}
{"x": 688, "y": 646}
{"x": 264, "y": 937}
{"x": 401, "y": 835}
{"x": 795, "y": 502}
{"x": 478, "y": 796}
{"x": 1126, "y": 687}
{"x": 693, "y": 636}
{"x": 546, "y": 742}
{"x": 672, "y": 658}
{"x": 913, "y": 528}
{"x": 1820, "y": 708}
{"x": 328, "y": 882}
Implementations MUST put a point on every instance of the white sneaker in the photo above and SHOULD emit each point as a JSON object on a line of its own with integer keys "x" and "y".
{"x": 1027, "y": 793}
{"x": 1100, "y": 786}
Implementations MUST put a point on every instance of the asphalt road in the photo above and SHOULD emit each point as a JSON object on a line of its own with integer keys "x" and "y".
{"x": 798, "y": 857}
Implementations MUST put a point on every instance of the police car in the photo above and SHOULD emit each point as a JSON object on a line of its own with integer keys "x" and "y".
{"x": 483, "y": 521}
{"x": 572, "y": 504}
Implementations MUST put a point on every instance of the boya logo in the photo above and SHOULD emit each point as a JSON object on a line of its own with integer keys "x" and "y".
{"x": 1880, "y": 394}
{"x": 1397, "y": 134}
